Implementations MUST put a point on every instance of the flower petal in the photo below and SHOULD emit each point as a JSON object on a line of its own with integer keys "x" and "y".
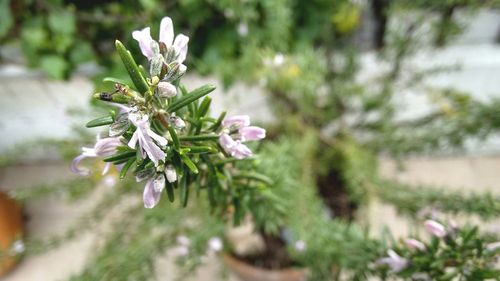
{"x": 241, "y": 151}
{"x": 251, "y": 133}
{"x": 181, "y": 46}
{"x": 227, "y": 142}
{"x": 159, "y": 139}
{"x": 144, "y": 38}
{"x": 106, "y": 168}
{"x": 435, "y": 228}
{"x": 167, "y": 31}
{"x": 150, "y": 196}
{"x": 74, "y": 166}
{"x": 238, "y": 121}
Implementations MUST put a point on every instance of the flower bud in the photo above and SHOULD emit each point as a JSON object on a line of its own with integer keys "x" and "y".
{"x": 415, "y": 244}
{"x": 171, "y": 174}
{"x": 166, "y": 90}
{"x": 177, "y": 122}
{"x": 435, "y": 228}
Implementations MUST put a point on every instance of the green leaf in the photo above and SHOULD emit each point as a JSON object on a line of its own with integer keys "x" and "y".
{"x": 204, "y": 107}
{"x": 199, "y": 137}
{"x": 184, "y": 191}
{"x": 101, "y": 121}
{"x": 170, "y": 191}
{"x": 254, "y": 176}
{"x": 132, "y": 68}
{"x": 81, "y": 52}
{"x": 189, "y": 163}
{"x": 125, "y": 168}
{"x": 175, "y": 139}
{"x": 217, "y": 123}
{"x": 54, "y": 66}
{"x": 6, "y": 20}
{"x": 115, "y": 80}
{"x": 62, "y": 22}
{"x": 120, "y": 156}
{"x": 201, "y": 149}
{"x": 191, "y": 97}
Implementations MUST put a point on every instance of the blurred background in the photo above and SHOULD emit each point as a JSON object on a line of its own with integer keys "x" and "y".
{"x": 402, "y": 90}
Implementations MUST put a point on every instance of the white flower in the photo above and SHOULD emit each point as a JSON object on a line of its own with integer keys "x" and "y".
{"x": 146, "y": 42}
{"x": 300, "y": 246}
{"x": 17, "y": 247}
{"x": 215, "y": 244}
{"x": 279, "y": 59}
{"x": 145, "y": 136}
{"x": 102, "y": 148}
{"x": 243, "y": 29}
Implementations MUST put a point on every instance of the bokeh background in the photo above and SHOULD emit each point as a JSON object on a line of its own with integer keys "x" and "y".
{"x": 53, "y": 55}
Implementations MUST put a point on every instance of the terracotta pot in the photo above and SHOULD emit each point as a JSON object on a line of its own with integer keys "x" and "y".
{"x": 247, "y": 272}
{"x": 10, "y": 230}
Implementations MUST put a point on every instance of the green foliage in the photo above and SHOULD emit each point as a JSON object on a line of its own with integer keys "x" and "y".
{"x": 463, "y": 254}
{"x": 410, "y": 200}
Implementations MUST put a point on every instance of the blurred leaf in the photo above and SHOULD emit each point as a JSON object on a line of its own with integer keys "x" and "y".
{"x": 5, "y": 17}
{"x": 82, "y": 52}
{"x": 54, "y": 66}
{"x": 62, "y": 22}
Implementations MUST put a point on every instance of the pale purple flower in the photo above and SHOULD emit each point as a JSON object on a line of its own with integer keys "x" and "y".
{"x": 252, "y": 133}
{"x": 435, "y": 228}
{"x": 239, "y": 127}
{"x": 145, "y": 136}
{"x": 300, "y": 246}
{"x": 215, "y": 244}
{"x": 394, "y": 261}
{"x": 152, "y": 191}
{"x": 146, "y": 42}
{"x": 414, "y": 244}
{"x": 102, "y": 148}
{"x": 238, "y": 121}
{"x": 493, "y": 246}
{"x": 166, "y": 89}
{"x": 234, "y": 148}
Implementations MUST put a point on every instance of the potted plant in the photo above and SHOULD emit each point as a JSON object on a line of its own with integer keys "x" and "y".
{"x": 11, "y": 233}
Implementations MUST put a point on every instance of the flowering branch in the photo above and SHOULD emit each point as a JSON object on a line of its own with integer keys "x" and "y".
{"x": 161, "y": 133}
